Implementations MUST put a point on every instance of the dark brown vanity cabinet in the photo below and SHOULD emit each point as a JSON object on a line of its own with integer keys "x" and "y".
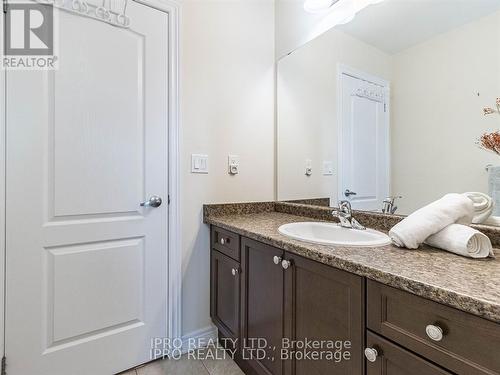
{"x": 225, "y": 283}
{"x": 462, "y": 343}
{"x": 269, "y": 299}
{"x": 394, "y": 360}
{"x": 324, "y": 304}
{"x": 284, "y": 296}
{"x": 225, "y": 294}
{"x": 262, "y": 306}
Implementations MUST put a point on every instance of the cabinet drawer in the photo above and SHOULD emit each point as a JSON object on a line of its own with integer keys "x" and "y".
{"x": 394, "y": 360}
{"x": 467, "y": 343}
{"x": 226, "y": 242}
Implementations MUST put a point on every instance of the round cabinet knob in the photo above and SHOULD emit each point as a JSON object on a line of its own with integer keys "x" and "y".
{"x": 371, "y": 354}
{"x": 234, "y": 271}
{"x": 277, "y": 259}
{"x": 286, "y": 264}
{"x": 434, "y": 332}
{"x": 222, "y": 241}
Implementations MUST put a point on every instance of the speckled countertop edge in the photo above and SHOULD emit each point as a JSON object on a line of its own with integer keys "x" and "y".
{"x": 479, "y": 296}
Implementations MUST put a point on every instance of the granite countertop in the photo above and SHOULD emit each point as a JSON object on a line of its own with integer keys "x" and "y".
{"x": 469, "y": 285}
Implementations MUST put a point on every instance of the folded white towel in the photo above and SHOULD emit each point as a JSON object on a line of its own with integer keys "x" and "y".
{"x": 414, "y": 230}
{"x": 462, "y": 240}
{"x": 483, "y": 206}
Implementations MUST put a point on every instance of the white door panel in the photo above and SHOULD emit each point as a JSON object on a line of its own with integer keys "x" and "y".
{"x": 364, "y": 157}
{"x": 86, "y": 265}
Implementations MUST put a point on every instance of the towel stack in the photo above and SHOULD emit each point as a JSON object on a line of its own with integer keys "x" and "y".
{"x": 444, "y": 224}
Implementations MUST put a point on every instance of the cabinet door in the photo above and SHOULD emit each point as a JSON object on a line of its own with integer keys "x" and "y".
{"x": 262, "y": 306}
{"x": 323, "y": 306}
{"x": 393, "y": 360}
{"x": 225, "y": 295}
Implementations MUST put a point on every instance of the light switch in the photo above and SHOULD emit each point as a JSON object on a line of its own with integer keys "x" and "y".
{"x": 199, "y": 163}
{"x": 327, "y": 168}
{"x": 233, "y": 162}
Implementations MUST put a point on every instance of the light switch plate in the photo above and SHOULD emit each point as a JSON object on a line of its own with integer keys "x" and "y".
{"x": 199, "y": 163}
{"x": 327, "y": 168}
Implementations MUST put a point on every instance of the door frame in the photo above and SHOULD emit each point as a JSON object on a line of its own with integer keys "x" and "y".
{"x": 173, "y": 277}
{"x": 359, "y": 74}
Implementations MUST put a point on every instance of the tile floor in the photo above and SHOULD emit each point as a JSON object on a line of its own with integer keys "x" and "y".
{"x": 206, "y": 365}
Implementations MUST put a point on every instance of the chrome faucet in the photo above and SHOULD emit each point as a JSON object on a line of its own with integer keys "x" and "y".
{"x": 388, "y": 205}
{"x": 344, "y": 214}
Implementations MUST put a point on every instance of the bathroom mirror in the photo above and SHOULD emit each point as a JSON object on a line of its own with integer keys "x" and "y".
{"x": 393, "y": 104}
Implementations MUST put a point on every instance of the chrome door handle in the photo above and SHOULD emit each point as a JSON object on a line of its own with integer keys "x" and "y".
{"x": 155, "y": 201}
{"x": 348, "y": 193}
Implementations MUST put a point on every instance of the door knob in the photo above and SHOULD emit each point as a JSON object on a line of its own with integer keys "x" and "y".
{"x": 277, "y": 259}
{"x": 154, "y": 201}
{"x": 348, "y": 193}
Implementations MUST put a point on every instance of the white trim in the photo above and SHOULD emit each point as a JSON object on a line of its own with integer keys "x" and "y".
{"x": 359, "y": 74}
{"x": 355, "y": 73}
{"x": 199, "y": 338}
{"x": 174, "y": 269}
{"x": 174, "y": 259}
{"x": 2, "y": 192}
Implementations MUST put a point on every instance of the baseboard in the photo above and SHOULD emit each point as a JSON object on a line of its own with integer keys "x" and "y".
{"x": 199, "y": 338}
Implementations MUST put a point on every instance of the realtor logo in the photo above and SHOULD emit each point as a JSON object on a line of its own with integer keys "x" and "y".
{"x": 29, "y": 39}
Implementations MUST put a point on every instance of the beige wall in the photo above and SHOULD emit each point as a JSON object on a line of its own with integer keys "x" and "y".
{"x": 294, "y": 27}
{"x": 307, "y": 110}
{"x": 437, "y": 114}
{"x": 227, "y": 107}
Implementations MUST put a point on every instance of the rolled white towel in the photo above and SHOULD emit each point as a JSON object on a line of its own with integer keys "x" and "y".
{"x": 462, "y": 240}
{"x": 414, "y": 230}
{"x": 483, "y": 206}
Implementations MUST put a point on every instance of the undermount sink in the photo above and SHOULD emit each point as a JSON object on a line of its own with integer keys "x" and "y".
{"x": 333, "y": 234}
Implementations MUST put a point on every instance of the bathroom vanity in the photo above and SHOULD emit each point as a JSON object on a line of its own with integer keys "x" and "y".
{"x": 393, "y": 311}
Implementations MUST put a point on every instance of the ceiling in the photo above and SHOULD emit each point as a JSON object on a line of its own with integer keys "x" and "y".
{"x": 395, "y": 25}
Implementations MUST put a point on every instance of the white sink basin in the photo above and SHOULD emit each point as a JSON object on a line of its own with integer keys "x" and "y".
{"x": 333, "y": 234}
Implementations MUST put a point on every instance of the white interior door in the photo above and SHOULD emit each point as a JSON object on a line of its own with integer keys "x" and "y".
{"x": 86, "y": 265}
{"x": 364, "y": 143}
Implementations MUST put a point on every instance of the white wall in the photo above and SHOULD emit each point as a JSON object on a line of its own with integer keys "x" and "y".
{"x": 437, "y": 114}
{"x": 307, "y": 110}
{"x": 227, "y": 94}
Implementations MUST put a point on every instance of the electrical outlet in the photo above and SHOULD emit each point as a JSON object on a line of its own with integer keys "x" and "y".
{"x": 309, "y": 171}
{"x": 233, "y": 163}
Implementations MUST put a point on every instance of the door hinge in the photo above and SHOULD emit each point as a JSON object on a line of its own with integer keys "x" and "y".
{"x": 168, "y": 199}
{"x": 4, "y": 365}
{"x": 385, "y": 107}
{"x": 5, "y": 3}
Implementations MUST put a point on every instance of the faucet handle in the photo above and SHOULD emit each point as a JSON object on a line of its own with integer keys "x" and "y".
{"x": 345, "y": 206}
{"x": 356, "y": 224}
